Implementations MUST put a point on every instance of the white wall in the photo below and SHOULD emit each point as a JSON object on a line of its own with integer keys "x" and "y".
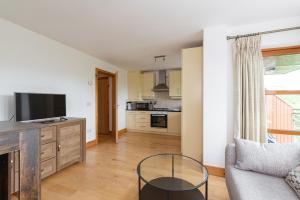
{"x": 30, "y": 62}
{"x": 214, "y": 95}
{"x": 218, "y": 80}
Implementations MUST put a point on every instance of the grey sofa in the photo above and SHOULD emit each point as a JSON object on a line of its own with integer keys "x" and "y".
{"x": 248, "y": 185}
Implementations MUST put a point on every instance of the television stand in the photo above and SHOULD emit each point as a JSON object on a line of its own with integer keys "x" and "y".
{"x": 51, "y": 121}
{"x": 47, "y": 121}
{"x": 61, "y": 119}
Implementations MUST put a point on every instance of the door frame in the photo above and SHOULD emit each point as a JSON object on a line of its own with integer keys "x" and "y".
{"x": 114, "y": 77}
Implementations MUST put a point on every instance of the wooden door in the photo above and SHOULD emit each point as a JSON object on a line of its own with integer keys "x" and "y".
{"x": 103, "y": 105}
{"x": 69, "y": 144}
{"x": 115, "y": 107}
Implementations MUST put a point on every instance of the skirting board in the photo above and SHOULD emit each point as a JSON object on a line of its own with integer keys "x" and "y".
{"x": 215, "y": 171}
{"x": 122, "y": 131}
{"x": 91, "y": 144}
{"x": 94, "y": 142}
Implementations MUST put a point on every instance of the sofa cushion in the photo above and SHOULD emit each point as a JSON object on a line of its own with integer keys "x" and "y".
{"x": 272, "y": 159}
{"x": 248, "y": 185}
{"x": 293, "y": 179}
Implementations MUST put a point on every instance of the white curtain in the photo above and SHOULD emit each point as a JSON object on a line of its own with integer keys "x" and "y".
{"x": 249, "y": 87}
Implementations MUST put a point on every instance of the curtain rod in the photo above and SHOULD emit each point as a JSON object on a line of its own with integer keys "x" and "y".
{"x": 264, "y": 32}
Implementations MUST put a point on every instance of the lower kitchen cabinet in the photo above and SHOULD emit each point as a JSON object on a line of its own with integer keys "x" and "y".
{"x": 130, "y": 120}
{"x": 140, "y": 121}
{"x": 174, "y": 123}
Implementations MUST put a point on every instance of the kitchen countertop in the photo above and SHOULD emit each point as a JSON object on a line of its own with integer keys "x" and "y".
{"x": 167, "y": 110}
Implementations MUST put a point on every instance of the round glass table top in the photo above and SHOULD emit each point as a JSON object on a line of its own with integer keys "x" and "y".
{"x": 172, "y": 172}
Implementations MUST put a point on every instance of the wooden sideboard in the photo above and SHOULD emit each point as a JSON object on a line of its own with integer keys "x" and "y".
{"x": 62, "y": 144}
{"x": 56, "y": 146}
{"x": 24, "y": 138}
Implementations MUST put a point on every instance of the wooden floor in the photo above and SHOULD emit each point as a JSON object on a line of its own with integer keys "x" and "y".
{"x": 110, "y": 170}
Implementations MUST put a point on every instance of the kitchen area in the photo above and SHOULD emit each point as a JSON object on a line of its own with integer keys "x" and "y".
{"x": 154, "y": 102}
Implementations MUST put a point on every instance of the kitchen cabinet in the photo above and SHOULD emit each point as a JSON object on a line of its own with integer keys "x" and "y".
{"x": 140, "y": 121}
{"x": 192, "y": 102}
{"x": 134, "y": 86}
{"x": 175, "y": 83}
{"x": 148, "y": 81}
{"x": 143, "y": 121}
{"x": 174, "y": 123}
{"x": 130, "y": 120}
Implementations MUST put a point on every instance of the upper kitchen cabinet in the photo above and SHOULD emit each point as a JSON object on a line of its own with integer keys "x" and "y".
{"x": 148, "y": 81}
{"x": 134, "y": 86}
{"x": 175, "y": 83}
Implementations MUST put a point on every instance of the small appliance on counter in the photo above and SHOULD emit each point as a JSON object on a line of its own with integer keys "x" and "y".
{"x": 130, "y": 106}
{"x": 140, "y": 105}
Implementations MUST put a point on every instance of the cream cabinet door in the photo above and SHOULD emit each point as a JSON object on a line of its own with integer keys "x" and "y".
{"x": 175, "y": 83}
{"x": 174, "y": 123}
{"x": 148, "y": 80}
{"x": 130, "y": 120}
{"x": 134, "y": 85}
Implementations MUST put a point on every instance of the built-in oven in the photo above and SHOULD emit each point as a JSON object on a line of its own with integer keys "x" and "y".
{"x": 159, "y": 120}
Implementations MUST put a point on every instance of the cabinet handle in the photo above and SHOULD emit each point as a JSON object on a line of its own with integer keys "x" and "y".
{"x": 58, "y": 147}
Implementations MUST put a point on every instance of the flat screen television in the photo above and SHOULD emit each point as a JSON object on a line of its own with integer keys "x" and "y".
{"x": 32, "y": 106}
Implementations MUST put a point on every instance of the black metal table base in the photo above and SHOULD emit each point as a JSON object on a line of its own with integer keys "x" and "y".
{"x": 172, "y": 190}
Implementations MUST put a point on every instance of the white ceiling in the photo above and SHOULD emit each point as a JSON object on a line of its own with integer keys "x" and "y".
{"x": 129, "y": 33}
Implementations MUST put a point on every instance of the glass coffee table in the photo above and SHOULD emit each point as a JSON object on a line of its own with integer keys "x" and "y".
{"x": 171, "y": 177}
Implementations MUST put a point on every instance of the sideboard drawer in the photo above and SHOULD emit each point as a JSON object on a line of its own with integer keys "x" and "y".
{"x": 48, "y": 168}
{"x": 48, "y": 151}
{"x": 48, "y": 134}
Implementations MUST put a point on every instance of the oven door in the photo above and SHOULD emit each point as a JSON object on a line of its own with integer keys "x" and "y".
{"x": 159, "y": 120}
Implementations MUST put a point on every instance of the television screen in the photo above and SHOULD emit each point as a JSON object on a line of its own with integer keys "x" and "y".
{"x": 31, "y": 106}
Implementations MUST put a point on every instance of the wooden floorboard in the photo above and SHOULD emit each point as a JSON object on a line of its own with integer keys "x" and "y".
{"x": 110, "y": 170}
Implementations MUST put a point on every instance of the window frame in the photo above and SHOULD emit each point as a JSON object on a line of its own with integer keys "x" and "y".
{"x": 277, "y": 52}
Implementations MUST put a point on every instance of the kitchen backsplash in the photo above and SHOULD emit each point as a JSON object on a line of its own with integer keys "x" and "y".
{"x": 164, "y": 101}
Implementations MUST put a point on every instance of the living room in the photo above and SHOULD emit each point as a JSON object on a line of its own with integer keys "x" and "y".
{"x": 57, "y": 48}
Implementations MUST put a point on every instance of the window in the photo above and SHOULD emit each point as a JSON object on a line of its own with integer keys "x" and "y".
{"x": 282, "y": 83}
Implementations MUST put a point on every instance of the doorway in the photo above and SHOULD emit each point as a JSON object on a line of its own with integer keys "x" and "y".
{"x": 106, "y": 105}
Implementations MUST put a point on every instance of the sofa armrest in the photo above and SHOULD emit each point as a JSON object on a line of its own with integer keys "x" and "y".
{"x": 230, "y": 155}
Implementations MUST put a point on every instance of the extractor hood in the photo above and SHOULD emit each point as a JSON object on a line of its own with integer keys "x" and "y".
{"x": 161, "y": 82}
